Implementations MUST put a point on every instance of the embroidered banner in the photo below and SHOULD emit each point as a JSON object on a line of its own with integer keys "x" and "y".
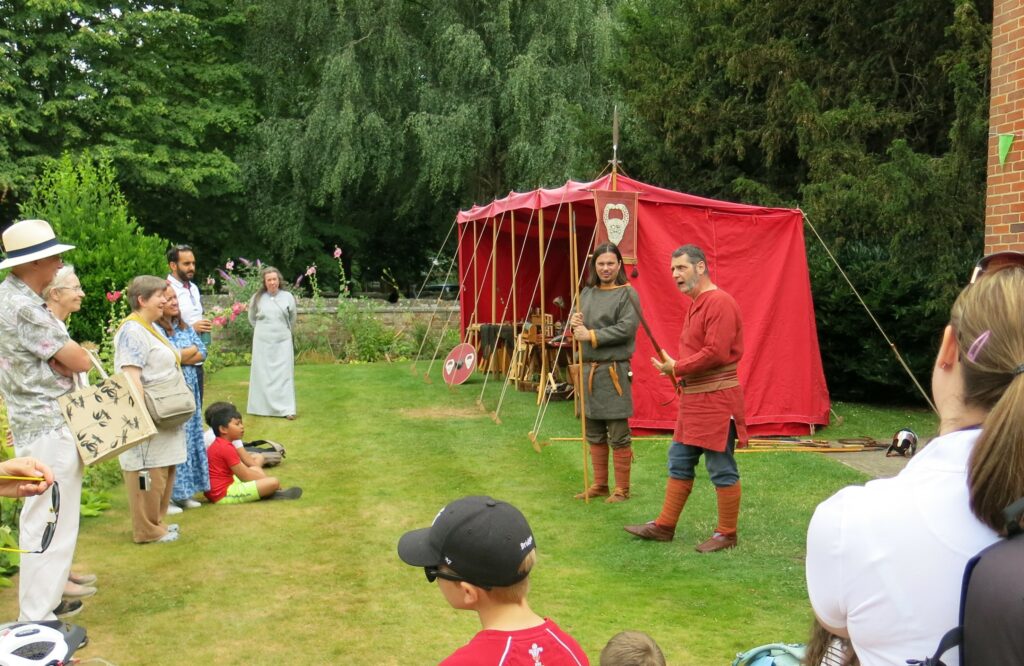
{"x": 617, "y": 220}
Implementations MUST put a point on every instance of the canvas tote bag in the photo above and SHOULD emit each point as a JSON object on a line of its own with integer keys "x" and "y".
{"x": 108, "y": 418}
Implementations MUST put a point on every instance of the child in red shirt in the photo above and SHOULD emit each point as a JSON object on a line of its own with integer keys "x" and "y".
{"x": 231, "y": 481}
{"x": 480, "y": 551}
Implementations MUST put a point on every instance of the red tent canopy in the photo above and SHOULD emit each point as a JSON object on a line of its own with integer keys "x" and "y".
{"x": 756, "y": 254}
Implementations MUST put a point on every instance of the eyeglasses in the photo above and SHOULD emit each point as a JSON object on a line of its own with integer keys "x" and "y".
{"x": 997, "y": 261}
{"x": 433, "y": 573}
{"x": 51, "y": 526}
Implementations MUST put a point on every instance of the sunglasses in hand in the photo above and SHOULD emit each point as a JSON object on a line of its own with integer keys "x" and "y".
{"x": 51, "y": 525}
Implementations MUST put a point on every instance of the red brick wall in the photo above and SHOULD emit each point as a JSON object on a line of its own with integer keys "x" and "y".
{"x": 1004, "y": 205}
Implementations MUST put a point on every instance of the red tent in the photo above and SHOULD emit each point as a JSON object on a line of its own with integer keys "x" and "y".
{"x": 756, "y": 254}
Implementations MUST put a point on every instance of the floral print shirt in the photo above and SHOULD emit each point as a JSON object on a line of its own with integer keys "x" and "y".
{"x": 29, "y": 337}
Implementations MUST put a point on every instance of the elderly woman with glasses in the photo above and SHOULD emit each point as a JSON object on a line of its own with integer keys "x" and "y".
{"x": 885, "y": 560}
{"x": 63, "y": 298}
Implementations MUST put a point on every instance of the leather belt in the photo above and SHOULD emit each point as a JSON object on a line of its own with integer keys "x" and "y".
{"x": 712, "y": 380}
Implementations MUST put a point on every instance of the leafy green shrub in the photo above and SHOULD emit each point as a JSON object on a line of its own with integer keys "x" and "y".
{"x": 369, "y": 340}
{"x": 220, "y": 355}
{"x": 81, "y": 200}
{"x": 425, "y": 340}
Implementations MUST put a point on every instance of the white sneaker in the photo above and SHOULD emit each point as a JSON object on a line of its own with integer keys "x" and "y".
{"x": 189, "y": 504}
{"x": 173, "y": 509}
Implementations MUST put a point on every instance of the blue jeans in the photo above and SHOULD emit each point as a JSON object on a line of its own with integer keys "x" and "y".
{"x": 721, "y": 466}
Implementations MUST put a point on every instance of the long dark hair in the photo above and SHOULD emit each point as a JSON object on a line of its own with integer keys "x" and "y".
{"x": 604, "y": 248}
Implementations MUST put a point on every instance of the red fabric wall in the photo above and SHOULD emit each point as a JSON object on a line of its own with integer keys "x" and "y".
{"x": 756, "y": 254}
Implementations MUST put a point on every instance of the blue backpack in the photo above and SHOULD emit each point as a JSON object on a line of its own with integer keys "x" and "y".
{"x": 773, "y": 654}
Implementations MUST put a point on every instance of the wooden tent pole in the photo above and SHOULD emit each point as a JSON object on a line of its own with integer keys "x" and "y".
{"x": 515, "y": 315}
{"x": 494, "y": 271}
{"x": 578, "y": 348}
{"x": 542, "y": 380}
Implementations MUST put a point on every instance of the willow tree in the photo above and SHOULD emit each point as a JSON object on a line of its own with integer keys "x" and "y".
{"x": 382, "y": 118}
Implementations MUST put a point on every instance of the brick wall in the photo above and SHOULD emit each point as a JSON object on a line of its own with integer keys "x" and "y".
{"x": 1004, "y": 205}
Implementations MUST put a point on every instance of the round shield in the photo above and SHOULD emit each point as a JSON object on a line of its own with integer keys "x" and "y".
{"x": 459, "y": 364}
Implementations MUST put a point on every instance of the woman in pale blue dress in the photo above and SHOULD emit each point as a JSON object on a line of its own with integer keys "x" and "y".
{"x": 193, "y": 475}
{"x": 272, "y": 375}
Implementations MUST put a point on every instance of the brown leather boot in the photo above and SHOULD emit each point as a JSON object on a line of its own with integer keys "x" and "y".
{"x": 618, "y": 495}
{"x": 718, "y": 542}
{"x": 599, "y": 458}
{"x": 593, "y": 491}
{"x": 623, "y": 460}
{"x": 651, "y": 531}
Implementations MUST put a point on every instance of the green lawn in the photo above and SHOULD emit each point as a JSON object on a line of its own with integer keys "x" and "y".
{"x": 378, "y": 451}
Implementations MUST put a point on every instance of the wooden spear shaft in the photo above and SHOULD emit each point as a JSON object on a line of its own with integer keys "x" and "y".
{"x": 578, "y": 346}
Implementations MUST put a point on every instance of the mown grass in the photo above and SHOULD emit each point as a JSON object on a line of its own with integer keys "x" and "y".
{"x": 378, "y": 451}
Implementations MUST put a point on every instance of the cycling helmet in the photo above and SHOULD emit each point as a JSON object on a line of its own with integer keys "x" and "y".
{"x": 32, "y": 645}
{"x": 904, "y": 443}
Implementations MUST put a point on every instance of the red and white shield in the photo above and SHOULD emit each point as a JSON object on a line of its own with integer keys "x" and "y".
{"x": 459, "y": 364}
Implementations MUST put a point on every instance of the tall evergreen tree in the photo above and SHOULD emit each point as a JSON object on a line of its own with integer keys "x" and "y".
{"x": 872, "y": 117}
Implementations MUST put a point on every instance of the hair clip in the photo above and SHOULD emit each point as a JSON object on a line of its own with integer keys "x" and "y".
{"x": 976, "y": 346}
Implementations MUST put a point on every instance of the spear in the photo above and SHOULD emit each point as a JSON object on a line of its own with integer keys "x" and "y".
{"x": 650, "y": 335}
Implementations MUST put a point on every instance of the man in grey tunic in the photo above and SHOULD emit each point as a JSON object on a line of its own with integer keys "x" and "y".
{"x": 606, "y": 329}
{"x": 37, "y": 360}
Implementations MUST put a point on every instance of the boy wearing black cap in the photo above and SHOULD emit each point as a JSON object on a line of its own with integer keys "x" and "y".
{"x": 480, "y": 552}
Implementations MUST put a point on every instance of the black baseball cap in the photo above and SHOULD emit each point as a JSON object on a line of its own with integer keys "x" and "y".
{"x": 482, "y": 539}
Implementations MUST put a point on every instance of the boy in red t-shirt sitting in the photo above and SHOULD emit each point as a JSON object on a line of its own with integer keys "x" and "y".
{"x": 232, "y": 481}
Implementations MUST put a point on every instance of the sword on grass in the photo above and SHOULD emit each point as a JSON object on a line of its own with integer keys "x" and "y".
{"x": 650, "y": 334}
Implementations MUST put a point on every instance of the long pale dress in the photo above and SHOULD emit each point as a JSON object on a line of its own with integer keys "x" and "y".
{"x": 272, "y": 374}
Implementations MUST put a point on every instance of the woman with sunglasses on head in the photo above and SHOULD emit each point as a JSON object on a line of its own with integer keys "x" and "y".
{"x": 63, "y": 298}
{"x": 193, "y": 475}
{"x": 885, "y": 561}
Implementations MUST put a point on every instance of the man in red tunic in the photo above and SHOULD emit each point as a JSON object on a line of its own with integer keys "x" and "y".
{"x": 711, "y": 405}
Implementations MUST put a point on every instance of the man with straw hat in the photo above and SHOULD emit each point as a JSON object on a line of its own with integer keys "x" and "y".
{"x": 37, "y": 361}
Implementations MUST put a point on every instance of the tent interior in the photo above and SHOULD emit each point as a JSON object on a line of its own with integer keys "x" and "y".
{"x": 515, "y": 259}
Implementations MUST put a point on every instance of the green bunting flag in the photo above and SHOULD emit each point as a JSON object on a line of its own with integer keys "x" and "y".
{"x": 1005, "y": 142}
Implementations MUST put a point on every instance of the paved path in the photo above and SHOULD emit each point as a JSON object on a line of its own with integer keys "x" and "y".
{"x": 871, "y": 462}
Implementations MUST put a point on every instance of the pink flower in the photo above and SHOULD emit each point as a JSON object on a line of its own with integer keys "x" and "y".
{"x": 236, "y": 309}
{"x": 311, "y": 270}
{"x": 113, "y": 296}
{"x": 219, "y": 321}
{"x": 210, "y": 281}
{"x": 230, "y": 265}
{"x": 337, "y": 252}
{"x": 234, "y": 316}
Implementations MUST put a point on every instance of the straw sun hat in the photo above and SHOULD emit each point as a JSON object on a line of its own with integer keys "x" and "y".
{"x": 29, "y": 240}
